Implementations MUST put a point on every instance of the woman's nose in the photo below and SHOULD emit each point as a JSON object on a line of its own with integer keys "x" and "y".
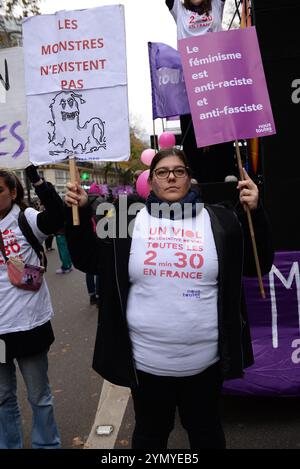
{"x": 171, "y": 175}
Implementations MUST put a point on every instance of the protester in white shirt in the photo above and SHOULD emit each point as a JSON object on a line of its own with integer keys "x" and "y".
{"x": 25, "y": 329}
{"x": 172, "y": 322}
{"x": 196, "y": 17}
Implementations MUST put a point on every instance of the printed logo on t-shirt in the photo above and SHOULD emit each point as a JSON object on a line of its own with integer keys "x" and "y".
{"x": 192, "y": 294}
{"x": 200, "y": 21}
{"x": 11, "y": 246}
{"x": 174, "y": 252}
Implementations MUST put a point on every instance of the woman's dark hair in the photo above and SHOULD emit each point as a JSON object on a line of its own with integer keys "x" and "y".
{"x": 13, "y": 182}
{"x": 204, "y": 7}
{"x": 160, "y": 155}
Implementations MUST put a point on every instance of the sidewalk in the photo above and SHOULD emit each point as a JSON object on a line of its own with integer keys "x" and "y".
{"x": 115, "y": 409}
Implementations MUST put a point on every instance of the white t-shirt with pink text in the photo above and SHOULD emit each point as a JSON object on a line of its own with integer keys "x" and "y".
{"x": 21, "y": 310}
{"x": 172, "y": 305}
{"x": 191, "y": 24}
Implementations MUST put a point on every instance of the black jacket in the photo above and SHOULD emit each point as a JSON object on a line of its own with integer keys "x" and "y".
{"x": 113, "y": 352}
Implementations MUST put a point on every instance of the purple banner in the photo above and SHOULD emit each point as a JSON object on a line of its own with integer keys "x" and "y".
{"x": 226, "y": 86}
{"x": 169, "y": 96}
{"x": 275, "y": 330}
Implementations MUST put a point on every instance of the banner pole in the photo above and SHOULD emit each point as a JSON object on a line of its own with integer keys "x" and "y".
{"x": 72, "y": 168}
{"x": 154, "y": 136}
{"x": 253, "y": 145}
{"x": 252, "y": 234}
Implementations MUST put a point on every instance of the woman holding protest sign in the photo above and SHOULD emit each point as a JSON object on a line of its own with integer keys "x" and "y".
{"x": 173, "y": 322}
{"x": 25, "y": 309}
{"x": 196, "y": 18}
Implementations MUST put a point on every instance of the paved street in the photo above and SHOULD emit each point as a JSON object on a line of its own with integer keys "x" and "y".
{"x": 249, "y": 422}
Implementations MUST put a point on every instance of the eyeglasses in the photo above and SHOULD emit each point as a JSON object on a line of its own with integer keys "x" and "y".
{"x": 164, "y": 173}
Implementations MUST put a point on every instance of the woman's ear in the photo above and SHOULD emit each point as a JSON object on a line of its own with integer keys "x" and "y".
{"x": 13, "y": 194}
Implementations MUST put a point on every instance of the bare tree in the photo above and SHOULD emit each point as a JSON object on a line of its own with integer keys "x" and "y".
{"x": 21, "y": 8}
{"x": 10, "y": 20}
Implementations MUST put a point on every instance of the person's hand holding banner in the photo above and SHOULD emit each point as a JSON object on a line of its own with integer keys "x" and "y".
{"x": 249, "y": 194}
{"x": 75, "y": 196}
{"x": 33, "y": 175}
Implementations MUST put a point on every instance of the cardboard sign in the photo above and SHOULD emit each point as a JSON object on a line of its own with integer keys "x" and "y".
{"x": 76, "y": 85}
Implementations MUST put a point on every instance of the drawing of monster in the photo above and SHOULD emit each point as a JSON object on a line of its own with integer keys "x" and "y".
{"x": 67, "y": 135}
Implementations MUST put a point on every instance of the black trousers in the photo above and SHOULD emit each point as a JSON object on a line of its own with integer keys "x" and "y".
{"x": 197, "y": 397}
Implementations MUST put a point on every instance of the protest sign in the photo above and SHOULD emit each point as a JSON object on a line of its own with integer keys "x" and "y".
{"x": 13, "y": 118}
{"x": 76, "y": 85}
{"x": 226, "y": 86}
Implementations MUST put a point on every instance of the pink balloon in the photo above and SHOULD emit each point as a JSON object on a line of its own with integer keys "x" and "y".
{"x": 147, "y": 156}
{"x": 142, "y": 186}
{"x": 166, "y": 140}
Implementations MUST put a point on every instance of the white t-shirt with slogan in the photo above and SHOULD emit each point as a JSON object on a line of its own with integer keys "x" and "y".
{"x": 172, "y": 305}
{"x": 191, "y": 24}
{"x": 21, "y": 310}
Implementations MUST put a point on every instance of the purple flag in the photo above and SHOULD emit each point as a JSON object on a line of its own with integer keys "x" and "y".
{"x": 275, "y": 330}
{"x": 169, "y": 96}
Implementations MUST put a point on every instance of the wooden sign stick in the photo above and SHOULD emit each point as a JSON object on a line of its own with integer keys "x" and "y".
{"x": 72, "y": 168}
{"x": 258, "y": 270}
